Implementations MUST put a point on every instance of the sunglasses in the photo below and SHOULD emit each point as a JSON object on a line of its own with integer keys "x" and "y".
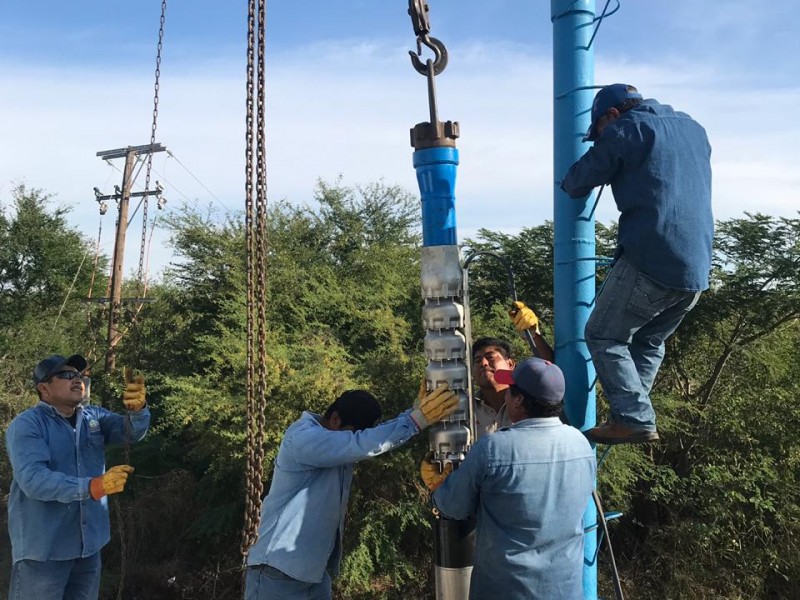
{"x": 68, "y": 375}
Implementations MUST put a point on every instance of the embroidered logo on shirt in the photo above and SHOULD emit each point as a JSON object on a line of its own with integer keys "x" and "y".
{"x": 94, "y": 424}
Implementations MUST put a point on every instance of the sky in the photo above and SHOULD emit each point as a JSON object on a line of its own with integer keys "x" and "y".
{"x": 77, "y": 78}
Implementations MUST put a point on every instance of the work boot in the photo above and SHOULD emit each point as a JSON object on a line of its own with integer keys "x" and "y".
{"x": 615, "y": 433}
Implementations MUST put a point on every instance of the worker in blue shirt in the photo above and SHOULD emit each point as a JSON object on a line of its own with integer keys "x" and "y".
{"x": 657, "y": 162}
{"x": 529, "y": 485}
{"x": 57, "y": 507}
{"x": 299, "y": 546}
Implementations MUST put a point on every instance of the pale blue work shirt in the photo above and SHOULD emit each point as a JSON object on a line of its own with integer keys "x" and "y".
{"x": 302, "y": 518}
{"x": 51, "y": 515}
{"x": 658, "y": 163}
{"x": 529, "y": 485}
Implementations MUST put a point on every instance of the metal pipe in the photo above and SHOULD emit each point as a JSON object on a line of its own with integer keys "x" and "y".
{"x": 574, "y": 276}
{"x": 443, "y": 292}
{"x": 446, "y": 347}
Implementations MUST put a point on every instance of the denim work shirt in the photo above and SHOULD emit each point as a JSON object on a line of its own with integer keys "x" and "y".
{"x": 658, "y": 162}
{"x": 51, "y": 515}
{"x": 529, "y": 485}
{"x": 302, "y": 519}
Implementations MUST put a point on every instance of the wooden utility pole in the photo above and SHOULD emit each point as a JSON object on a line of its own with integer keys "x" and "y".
{"x": 131, "y": 154}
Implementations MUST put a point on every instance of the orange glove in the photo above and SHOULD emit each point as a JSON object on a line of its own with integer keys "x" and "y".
{"x": 111, "y": 482}
{"x": 431, "y": 474}
{"x": 134, "y": 396}
{"x": 523, "y": 317}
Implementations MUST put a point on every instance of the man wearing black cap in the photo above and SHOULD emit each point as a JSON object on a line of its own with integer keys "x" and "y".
{"x": 299, "y": 546}
{"x": 57, "y": 510}
{"x": 657, "y": 161}
{"x": 529, "y": 485}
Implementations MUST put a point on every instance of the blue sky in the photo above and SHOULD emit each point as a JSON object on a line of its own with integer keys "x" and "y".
{"x": 76, "y": 77}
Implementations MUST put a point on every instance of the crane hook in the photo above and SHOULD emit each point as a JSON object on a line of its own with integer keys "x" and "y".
{"x": 439, "y": 51}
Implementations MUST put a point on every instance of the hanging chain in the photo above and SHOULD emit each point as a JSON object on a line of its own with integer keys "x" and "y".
{"x": 251, "y": 517}
{"x": 123, "y": 519}
{"x": 256, "y": 243}
{"x": 153, "y": 127}
{"x": 261, "y": 250}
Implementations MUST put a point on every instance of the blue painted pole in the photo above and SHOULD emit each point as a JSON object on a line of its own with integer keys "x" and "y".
{"x": 574, "y": 277}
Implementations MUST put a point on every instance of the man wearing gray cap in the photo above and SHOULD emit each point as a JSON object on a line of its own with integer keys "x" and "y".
{"x": 658, "y": 163}
{"x": 529, "y": 484}
{"x": 57, "y": 508}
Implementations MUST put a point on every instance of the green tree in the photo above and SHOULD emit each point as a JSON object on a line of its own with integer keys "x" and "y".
{"x": 712, "y": 511}
{"x": 342, "y": 311}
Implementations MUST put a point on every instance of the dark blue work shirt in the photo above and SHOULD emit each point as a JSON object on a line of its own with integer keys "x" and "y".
{"x": 657, "y": 161}
{"x": 51, "y": 515}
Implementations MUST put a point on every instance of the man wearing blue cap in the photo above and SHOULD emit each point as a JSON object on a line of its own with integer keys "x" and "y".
{"x": 657, "y": 161}
{"x": 57, "y": 508}
{"x": 529, "y": 484}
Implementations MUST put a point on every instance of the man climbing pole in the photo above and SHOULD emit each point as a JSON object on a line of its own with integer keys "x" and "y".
{"x": 57, "y": 510}
{"x": 657, "y": 161}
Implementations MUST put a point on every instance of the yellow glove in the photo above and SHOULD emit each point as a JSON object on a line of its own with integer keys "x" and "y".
{"x": 111, "y": 482}
{"x": 134, "y": 397}
{"x": 434, "y": 407}
{"x": 523, "y": 317}
{"x": 431, "y": 475}
{"x": 423, "y": 391}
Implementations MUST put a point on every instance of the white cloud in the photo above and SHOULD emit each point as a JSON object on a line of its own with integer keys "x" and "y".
{"x": 346, "y": 109}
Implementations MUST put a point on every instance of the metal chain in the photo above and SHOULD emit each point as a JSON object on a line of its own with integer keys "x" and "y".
{"x": 261, "y": 257}
{"x": 255, "y": 234}
{"x": 248, "y": 535}
{"x": 261, "y": 241}
{"x": 123, "y": 519}
{"x": 153, "y": 127}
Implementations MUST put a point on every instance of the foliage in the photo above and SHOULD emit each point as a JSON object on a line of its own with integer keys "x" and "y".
{"x": 342, "y": 312}
{"x": 711, "y": 512}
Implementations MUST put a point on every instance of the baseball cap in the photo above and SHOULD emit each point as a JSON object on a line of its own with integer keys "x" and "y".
{"x": 540, "y": 379}
{"x": 608, "y": 97}
{"x": 53, "y": 364}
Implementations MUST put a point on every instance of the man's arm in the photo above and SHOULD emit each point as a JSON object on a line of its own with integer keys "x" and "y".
{"x": 316, "y": 446}
{"x": 321, "y": 448}
{"x": 597, "y": 167}
{"x": 459, "y": 495}
{"x": 527, "y": 322}
{"x": 121, "y": 429}
{"x": 30, "y": 456}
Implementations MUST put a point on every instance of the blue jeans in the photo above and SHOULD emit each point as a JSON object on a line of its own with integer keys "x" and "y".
{"x": 267, "y": 583}
{"x": 632, "y": 318}
{"x": 77, "y": 579}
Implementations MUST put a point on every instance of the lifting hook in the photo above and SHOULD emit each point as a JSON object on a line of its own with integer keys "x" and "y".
{"x": 418, "y": 11}
{"x": 439, "y": 51}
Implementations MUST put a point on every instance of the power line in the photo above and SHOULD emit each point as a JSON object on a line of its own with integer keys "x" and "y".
{"x": 69, "y": 291}
{"x": 172, "y": 186}
{"x": 185, "y": 168}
